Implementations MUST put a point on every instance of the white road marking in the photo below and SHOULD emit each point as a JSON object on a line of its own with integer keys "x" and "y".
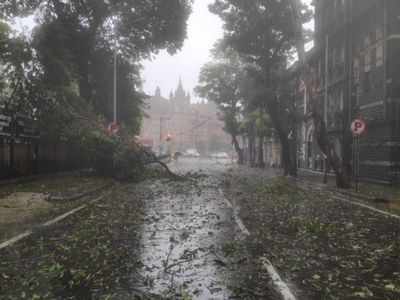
{"x": 63, "y": 216}
{"x": 15, "y": 239}
{"x": 367, "y": 207}
{"x": 228, "y": 203}
{"x": 238, "y": 221}
{"x": 280, "y": 286}
{"x": 241, "y": 225}
{"x": 27, "y": 233}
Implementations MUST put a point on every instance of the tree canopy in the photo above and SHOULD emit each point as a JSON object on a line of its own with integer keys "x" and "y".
{"x": 263, "y": 34}
{"x": 75, "y": 42}
{"x": 223, "y": 81}
{"x": 62, "y": 75}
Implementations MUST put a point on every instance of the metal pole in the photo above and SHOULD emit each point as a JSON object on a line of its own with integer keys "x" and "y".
{"x": 160, "y": 134}
{"x": 115, "y": 87}
{"x": 357, "y": 162}
{"x": 353, "y": 159}
{"x": 326, "y": 88}
{"x": 326, "y": 78}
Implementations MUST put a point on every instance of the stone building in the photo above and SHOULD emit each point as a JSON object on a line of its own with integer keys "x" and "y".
{"x": 189, "y": 125}
{"x": 355, "y": 70}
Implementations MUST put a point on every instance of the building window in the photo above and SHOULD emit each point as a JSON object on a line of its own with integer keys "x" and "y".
{"x": 341, "y": 105}
{"x": 319, "y": 69}
{"x": 342, "y": 54}
{"x": 367, "y": 42}
{"x": 356, "y": 70}
{"x": 379, "y": 55}
{"x": 373, "y": 56}
{"x": 334, "y": 51}
{"x": 367, "y": 60}
{"x": 367, "y": 82}
{"x": 379, "y": 34}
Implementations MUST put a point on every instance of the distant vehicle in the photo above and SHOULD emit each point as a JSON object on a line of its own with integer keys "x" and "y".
{"x": 191, "y": 153}
{"x": 220, "y": 155}
{"x": 147, "y": 143}
{"x": 176, "y": 155}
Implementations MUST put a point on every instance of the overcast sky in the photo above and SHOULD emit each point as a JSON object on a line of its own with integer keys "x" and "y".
{"x": 204, "y": 29}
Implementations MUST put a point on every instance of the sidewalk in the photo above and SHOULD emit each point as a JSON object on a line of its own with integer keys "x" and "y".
{"x": 386, "y": 197}
{"x": 26, "y": 204}
{"x": 323, "y": 247}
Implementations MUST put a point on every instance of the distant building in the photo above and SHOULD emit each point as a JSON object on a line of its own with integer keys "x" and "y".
{"x": 188, "y": 125}
{"x": 355, "y": 66}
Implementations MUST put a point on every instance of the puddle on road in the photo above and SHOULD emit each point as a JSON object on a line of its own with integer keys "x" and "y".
{"x": 181, "y": 237}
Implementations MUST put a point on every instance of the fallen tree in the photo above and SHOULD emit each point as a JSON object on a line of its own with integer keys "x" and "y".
{"x": 119, "y": 156}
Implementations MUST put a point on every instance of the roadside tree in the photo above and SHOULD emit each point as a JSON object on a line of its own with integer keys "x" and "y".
{"x": 221, "y": 81}
{"x": 260, "y": 32}
{"x": 340, "y": 165}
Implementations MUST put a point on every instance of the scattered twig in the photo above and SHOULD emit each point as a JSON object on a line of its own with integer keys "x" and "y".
{"x": 177, "y": 264}
{"x": 165, "y": 263}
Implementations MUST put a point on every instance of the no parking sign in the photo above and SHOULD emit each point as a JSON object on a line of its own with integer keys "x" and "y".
{"x": 358, "y": 127}
{"x": 113, "y": 128}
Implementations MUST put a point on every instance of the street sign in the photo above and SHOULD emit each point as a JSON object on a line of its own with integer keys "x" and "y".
{"x": 113, "y": 128}
{"x": 358, "y": 127}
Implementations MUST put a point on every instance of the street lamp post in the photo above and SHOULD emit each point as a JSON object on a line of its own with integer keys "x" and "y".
{"x": 115, "y": 88}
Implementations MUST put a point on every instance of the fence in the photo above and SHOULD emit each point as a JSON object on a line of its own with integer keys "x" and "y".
{"x": 23, "y": 153}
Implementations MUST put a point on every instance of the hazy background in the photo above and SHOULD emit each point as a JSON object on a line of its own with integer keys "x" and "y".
{"x": 204, "y": 29}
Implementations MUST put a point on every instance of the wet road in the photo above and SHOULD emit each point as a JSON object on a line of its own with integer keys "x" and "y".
{"x": 185, "y": 239}
{"x": 183, "y": 234}
{"x": 157, "y": 239}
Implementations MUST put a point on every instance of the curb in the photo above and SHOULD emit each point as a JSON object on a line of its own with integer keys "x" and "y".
{"x": 338, "y": 191}
{"x": 31, "y": 178}
{"x": 49, "y": 223}
{"x": 80, "y": 195}
{"x": 353, "y": 197}
{"x": 349, "y": 192}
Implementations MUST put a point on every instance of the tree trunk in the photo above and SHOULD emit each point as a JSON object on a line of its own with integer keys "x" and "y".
{"x": 289, "y": 165}
{"x": 326, "y": 171}
{"x": 339, "y": 166}
{"x": 286, "y": 160}
{"x": 293, "y": 155}
{"x": 252, "y": 157}
{"x": 343, "y": 177}
{"x": 260, "y": 160}
{"x": 238, "y": 150}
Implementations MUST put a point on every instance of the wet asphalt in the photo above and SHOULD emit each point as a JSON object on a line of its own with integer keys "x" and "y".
{"x": 185, "y": 229}
{"x": 156, "y": 239}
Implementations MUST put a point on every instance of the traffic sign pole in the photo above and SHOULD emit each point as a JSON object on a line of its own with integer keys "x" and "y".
{"x": 358, "y": 128}
{"x": 356, "y": 161}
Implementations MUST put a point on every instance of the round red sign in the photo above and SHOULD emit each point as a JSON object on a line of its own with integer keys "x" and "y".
{"x": 113, "y": 128}
{"x": 358, "y": 127}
